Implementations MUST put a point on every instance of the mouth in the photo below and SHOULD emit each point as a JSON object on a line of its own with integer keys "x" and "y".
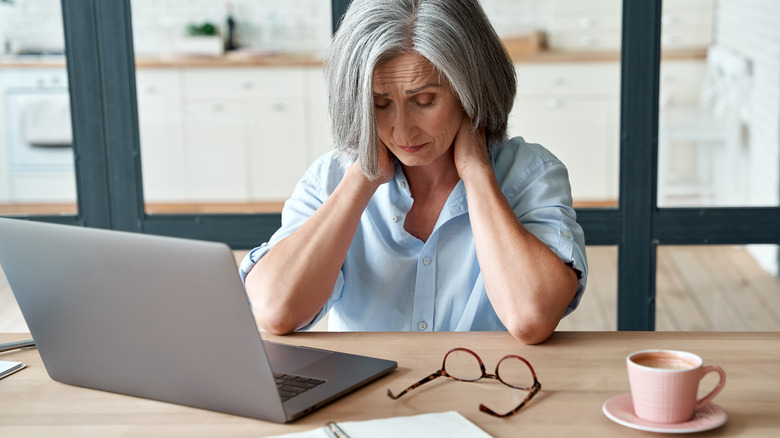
{"x": 412, "y": 149}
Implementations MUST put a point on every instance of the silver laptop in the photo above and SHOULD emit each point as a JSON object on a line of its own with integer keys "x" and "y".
{"x": 162, "y": 318}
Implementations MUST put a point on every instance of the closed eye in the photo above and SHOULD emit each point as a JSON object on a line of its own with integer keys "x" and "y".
{"x": 381, "y": 103}
{"x": 424, "y": 100}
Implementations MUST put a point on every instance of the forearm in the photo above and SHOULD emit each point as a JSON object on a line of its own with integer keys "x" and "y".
{"x": 528, "y": 285}
{"x": 291, "y": 283}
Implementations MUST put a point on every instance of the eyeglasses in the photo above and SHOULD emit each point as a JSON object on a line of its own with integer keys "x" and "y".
{"x": 464, "y": 365}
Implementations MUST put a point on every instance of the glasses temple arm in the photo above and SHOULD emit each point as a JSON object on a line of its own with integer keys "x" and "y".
{"x": 415, "y": 385}
{"x": 534, "y": 389}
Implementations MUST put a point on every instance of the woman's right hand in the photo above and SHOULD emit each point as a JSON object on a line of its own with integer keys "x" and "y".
{"x": 386, "y": 164}
{"x": 386, "y": 169}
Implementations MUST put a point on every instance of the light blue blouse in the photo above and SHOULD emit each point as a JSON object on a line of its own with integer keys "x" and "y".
{"x": 392, "y": 281}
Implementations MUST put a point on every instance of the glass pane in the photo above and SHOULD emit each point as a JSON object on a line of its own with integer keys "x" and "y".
{"x": 36, "y": 158}
{"x": 718, "y": 128}
{"x": 719, "y": 288}
{"x": 598, "y": 308}
{"x": 229, "y": 119}
{"x": 567, "y": 55}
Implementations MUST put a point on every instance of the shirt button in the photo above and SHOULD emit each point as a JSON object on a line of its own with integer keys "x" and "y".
{"x": 565, "y": 234}
{"x": 394, "y": 218}
{"x": 422, "y": 325}
{"x": 426, "y": 261}
{"x": 403, "y": 184}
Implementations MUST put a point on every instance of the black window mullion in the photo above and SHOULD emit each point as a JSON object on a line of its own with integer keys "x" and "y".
{"x": 120, "y": 114}
{"x": 84, "y": 78}
{"x": 101, "y": 79}
{"x": 640, "y": 70}
{"x": 717, "y": 226}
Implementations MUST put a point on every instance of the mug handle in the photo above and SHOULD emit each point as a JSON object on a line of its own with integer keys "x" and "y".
{"x": 708, "y": 398}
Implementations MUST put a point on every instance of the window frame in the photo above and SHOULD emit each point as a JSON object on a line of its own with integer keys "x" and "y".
{"x": 101, "y": 74}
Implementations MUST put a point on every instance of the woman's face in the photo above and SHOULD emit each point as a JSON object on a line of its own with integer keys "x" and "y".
{"x": 417, "y": 115}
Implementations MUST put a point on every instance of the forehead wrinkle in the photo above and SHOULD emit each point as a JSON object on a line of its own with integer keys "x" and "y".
{"x": 411, "y": 76}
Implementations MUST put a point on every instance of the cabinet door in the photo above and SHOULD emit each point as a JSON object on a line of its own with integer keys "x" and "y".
{"x": 161, "y": 125}
{"x": 320, "y": 138}
{"x": 582, "y": 133}
{"x": 214, "y": 152}
{"x": 276, "y": 153}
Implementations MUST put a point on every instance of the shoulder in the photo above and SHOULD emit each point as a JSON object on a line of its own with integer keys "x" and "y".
{"x": 326, "y": 171}
{"x": 515, "y": 159}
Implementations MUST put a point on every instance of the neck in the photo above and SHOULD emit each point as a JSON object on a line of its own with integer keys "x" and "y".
{"x": 441, "y": 175}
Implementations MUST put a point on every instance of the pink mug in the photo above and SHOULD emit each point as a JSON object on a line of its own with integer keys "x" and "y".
{"x": 665, "y": 383}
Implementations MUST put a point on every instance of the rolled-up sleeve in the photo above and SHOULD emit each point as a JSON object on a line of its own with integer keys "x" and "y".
{"x": 537, "y": 186}
{"x": 308, "y": 196}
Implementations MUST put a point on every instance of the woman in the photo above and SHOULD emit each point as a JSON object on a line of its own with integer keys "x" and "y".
{"x": 426, "y": 217}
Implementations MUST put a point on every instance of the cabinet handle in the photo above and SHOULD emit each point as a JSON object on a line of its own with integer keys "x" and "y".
{"x": 148, "y": 89}
{"x": 245, "y": 85}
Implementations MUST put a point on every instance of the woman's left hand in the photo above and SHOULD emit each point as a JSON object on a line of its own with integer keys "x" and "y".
{"x": 470, "y": 149}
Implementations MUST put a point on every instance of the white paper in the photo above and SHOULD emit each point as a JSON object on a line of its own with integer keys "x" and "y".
{"x": 7, "y": 368}
{"x": 444, "y": 424}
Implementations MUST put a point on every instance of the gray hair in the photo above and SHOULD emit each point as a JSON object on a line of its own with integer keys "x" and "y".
{"x": 454, "y": 35}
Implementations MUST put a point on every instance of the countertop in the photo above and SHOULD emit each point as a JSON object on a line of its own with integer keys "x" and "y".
{"x": 239, "y": 59}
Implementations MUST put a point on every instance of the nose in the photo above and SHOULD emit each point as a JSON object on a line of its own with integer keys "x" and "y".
{"x": 404, "y": 128}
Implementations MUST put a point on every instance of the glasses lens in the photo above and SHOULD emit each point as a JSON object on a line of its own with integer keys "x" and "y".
{"x": 463, "y": 365}
{"x": 515, "y": 372}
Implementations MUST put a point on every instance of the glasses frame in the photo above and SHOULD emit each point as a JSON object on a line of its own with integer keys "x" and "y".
{"x": 534, "y": 389}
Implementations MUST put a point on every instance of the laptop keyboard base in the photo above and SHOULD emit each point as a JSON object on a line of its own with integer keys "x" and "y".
{"x": 290, "y": 385}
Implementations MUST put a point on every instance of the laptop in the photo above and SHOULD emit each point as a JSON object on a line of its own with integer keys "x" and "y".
{"x": 163, "y": 318}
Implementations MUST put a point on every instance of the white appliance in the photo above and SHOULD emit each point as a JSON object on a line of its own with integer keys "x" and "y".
{"x": 38, "y": 142}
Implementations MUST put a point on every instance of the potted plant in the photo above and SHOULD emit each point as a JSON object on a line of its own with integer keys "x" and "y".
{"x": 201, "y": 39}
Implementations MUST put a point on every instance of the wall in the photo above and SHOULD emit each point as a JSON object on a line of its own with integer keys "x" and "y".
{"x": 31, "y": 25}
{"x": 298, "y": 25}
{"x": 751, "y": 28}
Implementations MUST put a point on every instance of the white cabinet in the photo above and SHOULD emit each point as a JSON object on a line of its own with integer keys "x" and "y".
{"x": 572, "y": 109}
{"x": 215, "y": 152}
{"x": 320, "y": 138}
{"x": 161, "y": 130}
{"x": 276, "y": 154}
{"x": 245, "y": 133}
{"x": 229, "y": 134}
{"x": 595, "y": 25}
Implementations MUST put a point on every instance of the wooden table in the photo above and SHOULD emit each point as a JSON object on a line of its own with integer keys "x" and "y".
{"x": 579, "y": 371}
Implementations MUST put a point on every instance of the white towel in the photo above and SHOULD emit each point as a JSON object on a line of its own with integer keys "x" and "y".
{"x": 46, "y": 119}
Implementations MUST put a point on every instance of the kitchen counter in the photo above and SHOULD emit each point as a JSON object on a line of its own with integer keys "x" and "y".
{"x": 238, "y": 59}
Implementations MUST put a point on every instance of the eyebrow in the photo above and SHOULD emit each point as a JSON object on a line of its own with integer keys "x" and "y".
{"x": 413, "y": 91}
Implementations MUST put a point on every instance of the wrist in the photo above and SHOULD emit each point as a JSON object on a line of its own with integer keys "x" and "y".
{"x": 361, "y": 187}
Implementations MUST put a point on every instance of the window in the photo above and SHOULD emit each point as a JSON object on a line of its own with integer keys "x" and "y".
{"x": 109, "y": 182}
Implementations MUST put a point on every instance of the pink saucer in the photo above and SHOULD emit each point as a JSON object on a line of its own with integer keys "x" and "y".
{"x": 620, "y": 409}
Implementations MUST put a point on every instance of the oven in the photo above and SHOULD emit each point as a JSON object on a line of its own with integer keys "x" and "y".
{"x": 38, "y": 137}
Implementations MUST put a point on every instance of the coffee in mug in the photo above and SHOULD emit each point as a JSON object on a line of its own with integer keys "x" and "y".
{"x": 667, "y": 360}
{"x": 664, "y": 384}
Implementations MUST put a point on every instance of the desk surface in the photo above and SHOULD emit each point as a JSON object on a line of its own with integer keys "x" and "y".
{"x": 579, "y": 371}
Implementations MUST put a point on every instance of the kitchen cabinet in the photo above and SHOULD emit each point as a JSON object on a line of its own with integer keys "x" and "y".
{"x": 215, "y": 152}
{"x": 225, "y": 134}
{"x": 572, "y": 109}
{"x": 595, "y": 25}
{"x": 320, "y": 138}
{"x": 248, "y": 133}
{"x": 161, "y": 129}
